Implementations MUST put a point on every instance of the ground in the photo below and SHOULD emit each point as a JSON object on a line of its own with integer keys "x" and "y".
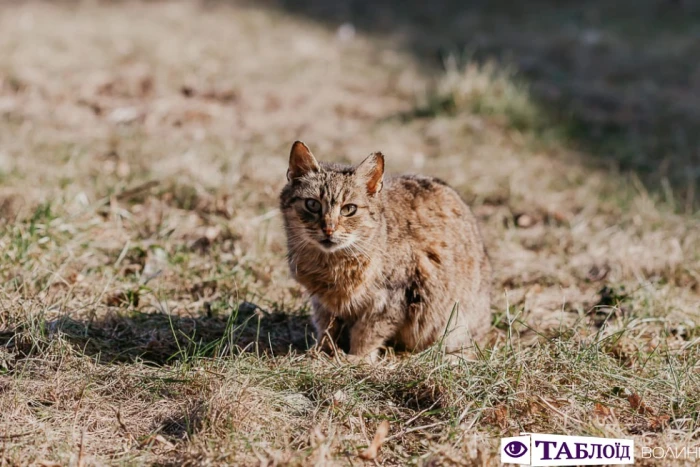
{"x": 147, "y": 315}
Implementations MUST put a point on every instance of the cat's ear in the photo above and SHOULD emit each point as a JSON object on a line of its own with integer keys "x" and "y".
{"x": 301, "y": 161}
{"x": 372, "y": 172}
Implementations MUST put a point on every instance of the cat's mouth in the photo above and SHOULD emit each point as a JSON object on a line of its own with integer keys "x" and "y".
{"x": 328, "y": 242}
{"x": 331, "y": 244}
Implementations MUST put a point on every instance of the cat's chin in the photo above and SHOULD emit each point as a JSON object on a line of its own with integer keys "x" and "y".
{"x": 331, "y": 246}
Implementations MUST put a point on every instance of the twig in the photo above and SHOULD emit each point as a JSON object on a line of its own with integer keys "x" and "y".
{"x": 413, "y": 419}
{"x": 464, "y": 412}
{"x": 417, "y": 428}
{"x": 131, "y": 192}
{"x": 18, "y": 435}
{"x": 81, "y": 452}
{"x": 558, "y": 411}
{"x": 122, "y": 425}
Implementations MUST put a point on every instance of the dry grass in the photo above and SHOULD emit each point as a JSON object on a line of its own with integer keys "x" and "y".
{"x": 147, "y": 316}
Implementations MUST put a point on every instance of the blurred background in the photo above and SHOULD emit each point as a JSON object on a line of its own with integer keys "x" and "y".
{"x": 618, "y": 80}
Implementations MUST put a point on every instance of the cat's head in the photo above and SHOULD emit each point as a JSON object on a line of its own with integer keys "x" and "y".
{"x": 331, "y": 207}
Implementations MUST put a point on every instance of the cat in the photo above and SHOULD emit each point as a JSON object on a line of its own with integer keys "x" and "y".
{"x": 388, "y": 261}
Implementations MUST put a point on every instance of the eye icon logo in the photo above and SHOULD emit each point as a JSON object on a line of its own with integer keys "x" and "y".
{"x": 515, "y": 449}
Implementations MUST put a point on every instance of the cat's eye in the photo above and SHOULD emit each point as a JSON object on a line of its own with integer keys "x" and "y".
{"x": 348, "y": 210}
{"x": 312, "y": 205}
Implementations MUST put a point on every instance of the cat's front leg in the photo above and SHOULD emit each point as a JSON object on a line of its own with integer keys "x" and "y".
{"x": 368, "y": 335}
{"x": 329, "y": 330}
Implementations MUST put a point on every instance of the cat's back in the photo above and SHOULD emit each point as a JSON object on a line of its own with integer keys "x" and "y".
{"x": 429, "y": 223}
{"x": 417, "y": 205}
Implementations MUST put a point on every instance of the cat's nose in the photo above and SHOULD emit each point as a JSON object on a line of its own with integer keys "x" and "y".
{"x": 328, "y": 229}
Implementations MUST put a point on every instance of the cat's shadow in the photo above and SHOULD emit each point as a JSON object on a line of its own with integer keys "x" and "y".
{"x": 160, "y": 338}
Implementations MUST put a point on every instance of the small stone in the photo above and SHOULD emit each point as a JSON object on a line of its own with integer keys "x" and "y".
{"x": 124, "y": 115}
{"x": 299, "y": 403}
{"x": 524, "y": 221}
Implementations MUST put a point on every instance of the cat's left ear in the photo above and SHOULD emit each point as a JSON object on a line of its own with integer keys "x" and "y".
{"x": 301, "y": 161}
{"x": 372, "y": 171}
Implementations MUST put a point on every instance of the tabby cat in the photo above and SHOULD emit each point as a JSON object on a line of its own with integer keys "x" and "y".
{"x": 388, "y": 261}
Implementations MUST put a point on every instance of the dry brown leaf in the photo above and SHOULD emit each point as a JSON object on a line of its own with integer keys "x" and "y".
{"x": 602, "y": 411}
{"x": 498, "y": 415}
{"x": 371, "y": 452}
{"x": 48, "y": 464}
{"x": 534, "y": 408}
{"x": 660, "y": 422}
{"x": 75, "y": 278}
{"x": 638, "y": 404}
{"x": 122, "y": 298}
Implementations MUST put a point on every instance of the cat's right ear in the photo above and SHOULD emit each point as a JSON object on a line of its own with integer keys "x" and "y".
{"x": 371, "y": 170}
{"x": 301, "y": 161}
